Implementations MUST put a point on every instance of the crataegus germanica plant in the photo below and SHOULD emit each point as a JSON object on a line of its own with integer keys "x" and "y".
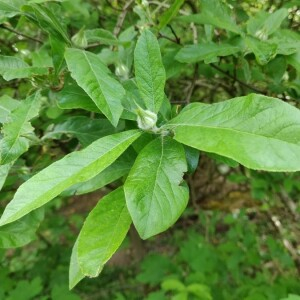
{"x": 259, "y": 132}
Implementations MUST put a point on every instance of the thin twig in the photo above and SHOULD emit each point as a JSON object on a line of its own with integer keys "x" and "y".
{"x": 238, "y": 80}
{"x": 192, "y": 87}
{"x": 160, "y": 35}
{"x": 21, "y": 34}
{"x": 174, "y": 33}
{"x": 122, "y": 17}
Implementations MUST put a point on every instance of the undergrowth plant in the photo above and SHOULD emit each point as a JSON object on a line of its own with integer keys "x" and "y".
{"x": 133, "y": 132}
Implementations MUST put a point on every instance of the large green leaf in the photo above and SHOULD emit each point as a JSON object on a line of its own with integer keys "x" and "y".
{"x": 257, "y": 131}
{"x": 95, "y": 78}
{"x": 214, "y": 12}
{"x": 207, "y": 52}
{"x": 21, "y": 232}
{"x": 154, "y": 195}
{"x": 74, "y": 168}
{"x": 17, "y": 131}
{"x": 149, "y": 70}
{"x": 103, "y": 232}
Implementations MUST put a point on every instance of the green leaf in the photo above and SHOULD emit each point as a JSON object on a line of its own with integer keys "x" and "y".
{"x": 4, "y": 170}
{"x": 13, "y": 67}
{"x": 103, "y": 232}
{"x": 294, "y": 60}
{"x": 86, "y": 130}
{"x": 257, "y": 131}
{"x": 10, "y": 8}
{"x": 263, "y": 51}
{"x": 73, "y": 168}
{"x": 7, "y": 105}
{"x": 22, "y": 231}
{"x": 58, "y": 47}
{"x": 115, "y": 171}
{"x": 17, "y": 131}
{"x": 47, "y": 21}
{"x": 216, "y": 13}
{"x": 93, "y": 76}
{"x": 173, "y": 285}
{"x": 149, "y": 71}
{"x": 265, "y": 25}
{"x": 207, "y": 52}
{"x": 75, "y": 274}
{"x": 154, "y": 195}
{"x": 170, "y": 13}
{"x": 73, "y": 97}
{"x": 103, "y": 36}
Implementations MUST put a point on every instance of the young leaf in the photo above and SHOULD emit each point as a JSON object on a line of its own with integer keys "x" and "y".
{"x": 206, "y": 52}
{"x": 149, "y": 71}
{"x": 263, "y": 51}
{"x": 154, "y": 195}
{"x": 93, "y": 76}
{"x": 170, "y": 13}
{"x": 103, "y": 232}
{"x": 18, "y": 131}
{"x": 257, "y": 131}
{"x": 264, "y": 25}
{"x": 74, "y": 168}
{"x": 216, "y": 13}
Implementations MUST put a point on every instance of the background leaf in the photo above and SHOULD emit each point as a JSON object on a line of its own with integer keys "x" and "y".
{"x": 17, "y": 132}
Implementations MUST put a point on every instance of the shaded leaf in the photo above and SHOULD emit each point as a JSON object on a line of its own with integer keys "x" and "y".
{"x": 170, "y": 13}
{"x": 207, "y": 52}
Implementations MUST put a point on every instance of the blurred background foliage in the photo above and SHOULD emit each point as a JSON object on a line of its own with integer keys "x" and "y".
{"x": 239, "y": 237}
